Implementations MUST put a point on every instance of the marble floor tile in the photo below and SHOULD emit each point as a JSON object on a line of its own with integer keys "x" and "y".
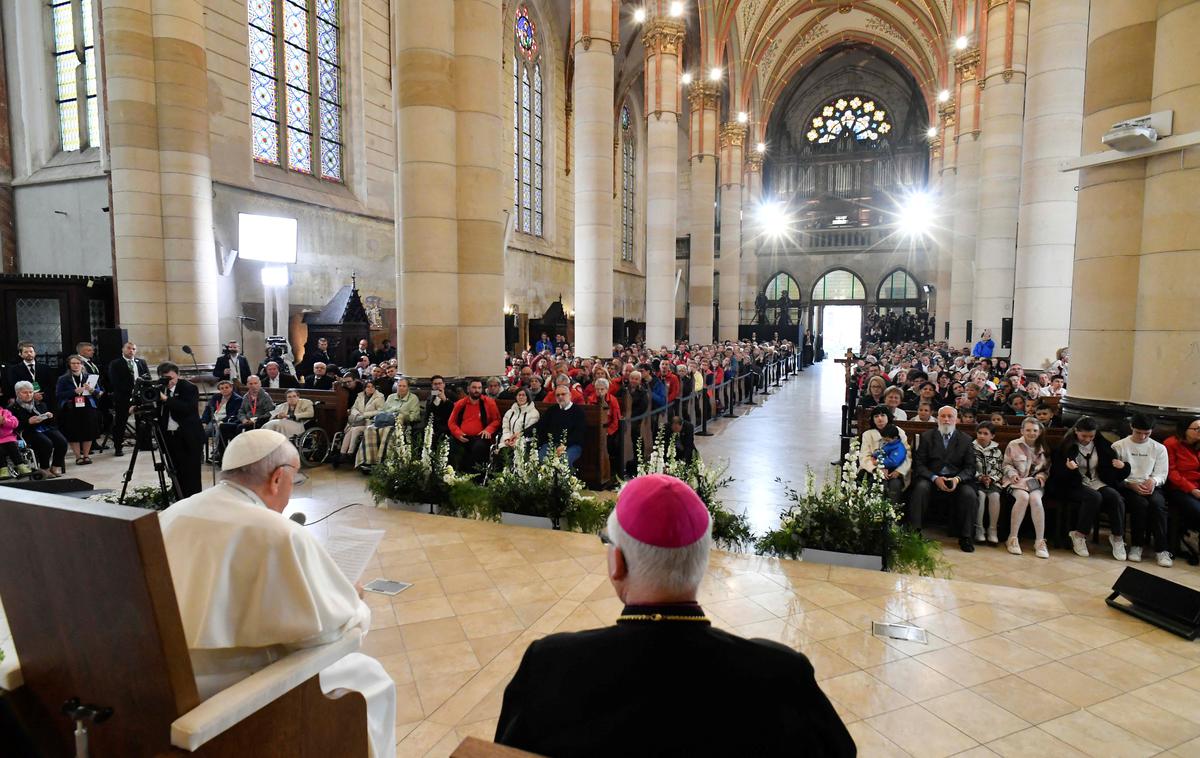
{"x": 1069, "y": 684}
{"x": 1024, "y": 699}
{"x": 913, "y": 679}
{"x": 1155, "y": 724}
{"x": 1093, "y": 735}
{"x": 921, "y": 733}
{"x": 865, "y": 695}
{"x": 974, "y": 715}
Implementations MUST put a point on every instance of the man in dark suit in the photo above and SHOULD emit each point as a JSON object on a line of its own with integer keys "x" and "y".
{"x": 643, "y": 686}
{"x": 363, "y": 350}
{"x": 685, "y": 438}
{"x": 944, "y": 467}
{"x": 27, "y": 369}
{"x": 314, "y": 354}
{"x": 274, "y": 379}
{"x": 122, "y": 374}
{"x": 319, "y": 379}
{"x": 233, "y": 365}
{"x": 179, "y": 420}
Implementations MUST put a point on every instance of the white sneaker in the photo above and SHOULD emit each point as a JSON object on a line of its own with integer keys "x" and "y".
{"x": 1118, "y": 547}
{"x": 1039, "y": 549}
{"x": 1078, "y": 543}
{"x": 1164, "y": 560}
{"x": 979, "y": 534}
{"x": 1014, "y": 546}
{"x": 994, "y": 539}
{"x": 1135, "y": 554}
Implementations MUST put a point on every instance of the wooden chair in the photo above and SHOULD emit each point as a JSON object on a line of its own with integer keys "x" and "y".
{"x": 89, "y": 599}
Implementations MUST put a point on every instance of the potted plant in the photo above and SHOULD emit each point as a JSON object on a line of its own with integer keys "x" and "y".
{"x": 731, "y": 531}
{"x": 848, "y": 521}
{"x": 410, "y": 479}
{"x": 150, "y": 498}
{"x": 533, "y": 491}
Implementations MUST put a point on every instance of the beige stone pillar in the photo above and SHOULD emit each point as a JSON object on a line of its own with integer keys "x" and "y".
{"x": 966, "y": 206}
{"x": 1108, "y": 240}
{"x": 594, "y": 43}
{"x": 943, "y": 235}
{"x": 733, "y": 138}
{"x": 705, "y": 101}
{"x": 1053, "y": 126}
{"x": 427, "y": 260}
{"x": 661, "y": 41}
{"x": 480, "y": 154}
{"x": 157, "y": 109}
{"x": 1166, "y": 349}
{"x": 1000, "y": 163}
{"x": 751, "y": 235}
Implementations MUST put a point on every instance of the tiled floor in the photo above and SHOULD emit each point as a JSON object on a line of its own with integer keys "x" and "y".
{"x": 1023, "y": 656}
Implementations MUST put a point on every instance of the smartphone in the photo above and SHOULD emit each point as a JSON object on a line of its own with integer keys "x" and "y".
{"x": 386, "y": 586}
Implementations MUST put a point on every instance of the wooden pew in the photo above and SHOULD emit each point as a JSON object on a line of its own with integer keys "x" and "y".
{"x": 331, "y": 413}
{"x": 1004, "y": 434}
{"x": 89, "y": 599}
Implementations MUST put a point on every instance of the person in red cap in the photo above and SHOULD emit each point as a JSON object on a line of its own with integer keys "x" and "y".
{"x": 663, "y": 680}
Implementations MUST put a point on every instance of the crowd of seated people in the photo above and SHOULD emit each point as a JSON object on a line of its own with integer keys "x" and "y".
{"x": 965, "y": 399}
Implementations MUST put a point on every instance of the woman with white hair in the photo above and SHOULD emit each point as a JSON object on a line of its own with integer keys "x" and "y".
{"x": 36, "y": 426}
{"x": 288, "y": 419}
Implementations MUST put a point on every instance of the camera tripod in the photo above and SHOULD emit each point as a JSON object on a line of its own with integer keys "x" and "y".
{"x": 159, "y": 456}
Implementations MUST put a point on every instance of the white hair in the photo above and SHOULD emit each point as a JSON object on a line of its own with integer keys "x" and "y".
{"x": 256, "y": 474}
{"x": 22, "y": 386}
{"x": 675, "y": 571}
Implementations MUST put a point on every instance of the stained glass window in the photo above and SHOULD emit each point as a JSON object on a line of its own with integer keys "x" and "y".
{"x": 839, "y": 285}
{"x": 625, "y": 120}
{"x": 528, "y": 205}
{"x": 628, "y": 176}
{"x": 75, "y": 73}
{"x": 295, "y": 85}
{"x": 898, "y": 286}
{"x": 853, "y": 116}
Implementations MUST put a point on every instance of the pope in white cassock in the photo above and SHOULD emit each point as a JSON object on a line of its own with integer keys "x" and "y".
{"x": 254, "y": 586}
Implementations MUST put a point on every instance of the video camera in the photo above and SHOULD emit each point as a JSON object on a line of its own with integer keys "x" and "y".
{"x": 147, "y": 393}
{"x": 276, "y": 347}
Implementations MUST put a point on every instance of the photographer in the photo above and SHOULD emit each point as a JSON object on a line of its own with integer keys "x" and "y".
{"x": 123, "y": 373}
{"x": 180, "y": 423}
{"x": 277, "y": 353}
{"x": 232, "y": 365}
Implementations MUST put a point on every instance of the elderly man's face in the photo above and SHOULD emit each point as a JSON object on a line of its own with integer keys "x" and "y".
{"x": 253, "y": 384}
{"x": 272, "y": 370}
{"x": 402, "y": 388}
{"x": 493, "y": 387}
{"x": 947, "y": 416}
{"x": 563, "y": 396}
{"x": 226, "y": 389}
{"x": 319, "y": 369}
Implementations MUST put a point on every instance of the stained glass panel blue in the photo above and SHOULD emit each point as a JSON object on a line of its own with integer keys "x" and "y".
{"x": 525, "y": 31}
{"x": 525, "y": 220}
{"x": 299, "y": 151}
{"x": 295, "y": 24}
{"x": 296, "y": 63}
{"x": 262, "y": 95}
{"x": 262, "y": 14}
{"x": 525, "y": 196}
{"x": 262, "y": 51}
{"x": 327, "y": 10}
{"x": 331, "y": 121}
{"x": 327, "y": 41}
{"x": 331, "y": 160}
{"x": 328, "y": 81}
{"x": 265, "y": 134}
{"x": 526, "y": 171}
{"x": 297, "y": 109}
{"x": 537, "y": 151}
{"x": 525, "y": 146}
{"x": 525, "y": 121}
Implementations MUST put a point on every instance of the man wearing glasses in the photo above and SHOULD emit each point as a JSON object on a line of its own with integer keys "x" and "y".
{"x": 643, "y": 686}
{"x": 254, "y": 586}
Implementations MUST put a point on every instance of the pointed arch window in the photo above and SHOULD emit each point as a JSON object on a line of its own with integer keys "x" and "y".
{"x": 849, "y": 115}
{"x": 75, "y": 73}
{"x": 527, "y": 126}
{"x": 295, "y": 86}
{"x": 628, "y": 187}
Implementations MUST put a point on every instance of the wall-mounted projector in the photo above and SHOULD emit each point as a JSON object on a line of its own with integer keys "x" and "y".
{"x": 1139, "y": 133}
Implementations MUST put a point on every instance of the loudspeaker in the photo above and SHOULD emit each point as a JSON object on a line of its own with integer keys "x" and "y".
{"x": 1006, "y": 333}
{"x": 109, "y": 343}
{"x": 947, "y": 337}
{"x": 1158, "y": 601}
{"x": 970, "y": 336}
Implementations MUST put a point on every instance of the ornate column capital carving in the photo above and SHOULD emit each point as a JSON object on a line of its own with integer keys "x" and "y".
{"x": 733, "y": 134}
{"x": 753, "y": 163}
{"x": 703, "y": 95}
{"x": 935, "y": 148}
{"x": 967, "y": 64}
{"x": 948, "y": 112}
{"x": 663, "y": 36}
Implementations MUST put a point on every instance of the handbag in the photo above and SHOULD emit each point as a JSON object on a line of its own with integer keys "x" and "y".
{"x": 384, "y": 420}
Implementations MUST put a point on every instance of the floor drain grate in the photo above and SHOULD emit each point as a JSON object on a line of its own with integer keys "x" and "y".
{"x": 899, "y": 632}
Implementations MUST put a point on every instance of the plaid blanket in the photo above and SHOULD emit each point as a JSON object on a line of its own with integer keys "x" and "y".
{"x": 374, "y": 442}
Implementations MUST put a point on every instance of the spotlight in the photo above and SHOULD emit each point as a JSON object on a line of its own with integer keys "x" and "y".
{"x": 715, "y": 74}
{"x": 773, "y": 219}
{"x": 761, "y": 147}
{"x": 676, "y": 9}
{"x": 686, "y": 78}
{"x": 915, "y": 217}
{"x": 743, "y": 117}
{"x": 639, "y": 15}
{"x": 944, "y": 96}
{"x": 961, "y": 43}
{"x": 931, "y": 132}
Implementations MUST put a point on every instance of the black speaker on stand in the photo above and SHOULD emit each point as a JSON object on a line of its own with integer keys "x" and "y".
{"x": 1006, "y": 333}
{"x": 109, "y": 342}
{"x": 1158, "y": 601}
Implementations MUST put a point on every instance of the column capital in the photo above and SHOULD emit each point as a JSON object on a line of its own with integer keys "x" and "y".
{"x": 704, "y": 96}
{"x": 733, "y": 134}
{"x": 948, "y": 112}
{"x": 935, "y": 148}
{"x": 753, "y": 163}
{"x": 663, "y": 36}
{"x": 967, "y": 64}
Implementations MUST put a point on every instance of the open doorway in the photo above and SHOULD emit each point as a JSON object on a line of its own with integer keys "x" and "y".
{"x": 841, "y": 328}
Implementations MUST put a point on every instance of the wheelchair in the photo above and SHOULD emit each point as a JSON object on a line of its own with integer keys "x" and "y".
{"x": 29, "y": 459}
{"x": 313, "y": 443}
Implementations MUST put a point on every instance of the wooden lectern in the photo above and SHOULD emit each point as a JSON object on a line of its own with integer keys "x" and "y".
{"x": 92, "y": 609}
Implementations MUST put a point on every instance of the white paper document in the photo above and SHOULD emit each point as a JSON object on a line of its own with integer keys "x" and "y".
{"x": 352, "y": 549}
{"x": 92, "y": 380}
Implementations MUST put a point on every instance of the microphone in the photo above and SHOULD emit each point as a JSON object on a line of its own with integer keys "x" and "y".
{"x": 188, "y": 350}
{"x": 248, "y": 318}
{"x": 299, "y": 518}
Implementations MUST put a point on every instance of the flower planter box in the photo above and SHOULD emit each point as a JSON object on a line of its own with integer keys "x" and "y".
{"x": 404, "y": 505}
{"x": 520, "y": 519}
{"x": 849, "y": 560}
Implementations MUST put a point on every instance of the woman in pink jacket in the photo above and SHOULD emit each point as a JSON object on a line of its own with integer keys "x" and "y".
{"x": 1026, "y": 468}
{"x": 10, "y": 451}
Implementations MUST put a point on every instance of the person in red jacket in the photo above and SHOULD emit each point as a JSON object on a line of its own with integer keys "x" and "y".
{"x": 1183, "y": 480}
{"x": 673, "y": 386}
{"x": 473, "y": 423}
{"x": 576, "y": 393}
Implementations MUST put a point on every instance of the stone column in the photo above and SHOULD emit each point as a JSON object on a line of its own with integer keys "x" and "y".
{"x": 661, "y": 41}
{"x": 733, "y": 138}
{"x": 751, "y": 235}
{"x": 595, "y": 41}
{"x": 943, "y": 236}
{"x": 1053, "y": 126}
{"x": 8, "y": 228}
{"x": 157, "y": 109}
{"x": 427, "y": 260}
{"x": 1108, "y": 240}
{"x": 1000, "y": 163}
{"x": 1166, "y": 348}
{"x": 480, "y": 130}
{"x": 705, "y": 101}
{"x": 966, "y": 206}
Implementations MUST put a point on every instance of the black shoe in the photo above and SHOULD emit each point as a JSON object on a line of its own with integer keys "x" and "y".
{"x": 966, "y": 545}
{"x": 118, "y": 453}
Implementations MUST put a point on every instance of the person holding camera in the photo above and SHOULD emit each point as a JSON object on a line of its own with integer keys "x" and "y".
{"x": 232, "y": 365}
{"x": 123, "y": 374}
{"x": 179, "y": 420}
